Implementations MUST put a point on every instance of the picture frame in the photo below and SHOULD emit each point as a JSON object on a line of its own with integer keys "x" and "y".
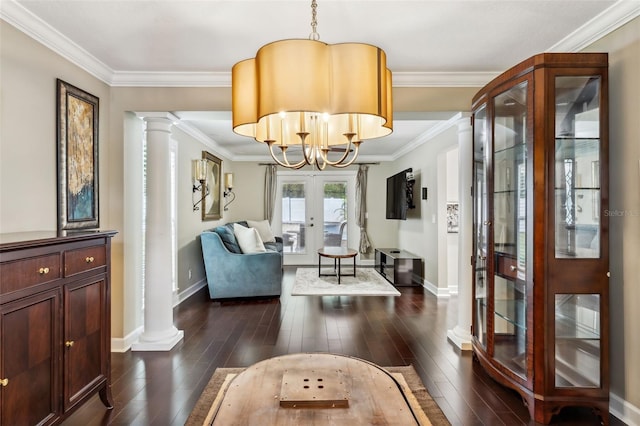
{"x": 211, "y": 204}
{"x": 452, "y": 217}
{"x": 77, "y": 156}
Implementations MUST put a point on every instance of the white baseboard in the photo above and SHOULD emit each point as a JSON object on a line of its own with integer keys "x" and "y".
{"x": 178, "y": 298}
{"x": 123, "y": 344}
{"x": 438, "y": 292}
{"x": 624, "y": 410}
{"x": 453, "y": 289}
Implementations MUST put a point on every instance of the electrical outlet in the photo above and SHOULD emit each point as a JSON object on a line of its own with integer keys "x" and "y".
{"x": 189, "y": 273}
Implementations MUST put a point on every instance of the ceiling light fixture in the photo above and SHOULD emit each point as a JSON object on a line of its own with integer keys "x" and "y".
{"x": 314, "y": 96}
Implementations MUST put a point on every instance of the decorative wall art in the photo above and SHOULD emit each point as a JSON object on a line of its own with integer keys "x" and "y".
{"x": 211, "y": 203}
{"x": 452, "y": 218}
{"x": 77, "y": 135}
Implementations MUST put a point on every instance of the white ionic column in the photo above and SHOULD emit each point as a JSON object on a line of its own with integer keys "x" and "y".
{"x": 460, "y": 335}
{"x": 159, "y": 332}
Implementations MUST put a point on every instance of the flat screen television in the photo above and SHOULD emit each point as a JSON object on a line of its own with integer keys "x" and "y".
{"x": 397, "y": 196}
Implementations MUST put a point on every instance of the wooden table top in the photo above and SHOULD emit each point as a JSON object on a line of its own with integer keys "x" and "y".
{"x": 335, "y": 252}
{"x": 304, "y": 388}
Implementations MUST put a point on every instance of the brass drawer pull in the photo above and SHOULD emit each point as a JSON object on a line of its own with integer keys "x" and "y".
{"x": 89, "y": 259}
{"x": 4, "y": 382}
{"x": 43, "y": 271}
{"x": 69, "y": 343}
{"x": 512, "y": 267}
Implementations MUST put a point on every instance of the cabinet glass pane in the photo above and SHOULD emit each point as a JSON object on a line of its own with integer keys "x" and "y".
{"x": 577, "y": 167}
{"x": 510, "y": 324}
{"x": 509, "y": 228}
{"x": 480, "y": 217}
{"x": 577, "y": 329}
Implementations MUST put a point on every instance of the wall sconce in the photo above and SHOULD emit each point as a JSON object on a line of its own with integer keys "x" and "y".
{"x": 199, "y": 170}
{"x": 228, "y": 192}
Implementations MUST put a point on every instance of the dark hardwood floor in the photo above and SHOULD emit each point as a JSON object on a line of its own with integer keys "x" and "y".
{"x": 161, "y": 388}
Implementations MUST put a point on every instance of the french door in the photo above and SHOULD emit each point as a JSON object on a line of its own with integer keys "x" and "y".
{"x": 314, "y": 210}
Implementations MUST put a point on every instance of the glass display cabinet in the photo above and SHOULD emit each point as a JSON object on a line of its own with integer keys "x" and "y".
{"x": 540, "y": 246}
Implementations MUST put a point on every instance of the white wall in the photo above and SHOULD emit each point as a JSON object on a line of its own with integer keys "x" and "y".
{"x": 449, "y": 242}
{"x": 623, "y": 46}
{"x": 28, "y": 149}
{"x": 419, "y": 233}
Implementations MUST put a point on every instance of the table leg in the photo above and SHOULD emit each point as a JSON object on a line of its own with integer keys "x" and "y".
{"x": 338, "y": 270}
{"x": 354, "y": 266}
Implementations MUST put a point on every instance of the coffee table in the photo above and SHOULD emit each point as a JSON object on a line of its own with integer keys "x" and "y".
{"x": 336, "y": 253}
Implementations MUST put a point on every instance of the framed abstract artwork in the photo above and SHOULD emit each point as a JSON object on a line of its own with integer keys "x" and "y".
{"x": 211, "y": 202}
{"x": 452, "y": 217}
{"x": 77, "y": 135}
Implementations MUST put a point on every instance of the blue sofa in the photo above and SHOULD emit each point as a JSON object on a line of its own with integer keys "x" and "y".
{"x": 233, "y": 274}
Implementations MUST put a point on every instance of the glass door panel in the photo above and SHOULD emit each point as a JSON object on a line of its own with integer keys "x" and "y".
{"x": 480, "y": 222}
{"x": 334, "y": 224}
{"x": 577, "y": 341}
{"x": 577, "y": 167}
{"x": 509, "y": 228}
{"x": 294, "y": 217}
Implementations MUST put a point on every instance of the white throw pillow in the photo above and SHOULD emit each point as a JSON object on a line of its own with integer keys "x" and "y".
{"x": 248, "y": 239}
{"x": 264, "y": 229}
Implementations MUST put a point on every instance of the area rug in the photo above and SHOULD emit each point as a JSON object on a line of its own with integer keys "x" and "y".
{"x": 423, "y": 405}
{"x": 367, "y": 282}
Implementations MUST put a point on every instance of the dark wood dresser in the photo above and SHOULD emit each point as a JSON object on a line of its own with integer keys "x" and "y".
{"x": 55, "y": 324}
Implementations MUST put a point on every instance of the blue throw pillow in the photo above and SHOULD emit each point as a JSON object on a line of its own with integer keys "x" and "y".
{"x": 228, "y": 238}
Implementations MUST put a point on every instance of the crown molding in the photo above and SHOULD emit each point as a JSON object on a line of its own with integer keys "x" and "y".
{"x": 606, "y": 22}
{"x": 15, "y": 14}
{"x": 223, "y": 79}
{"x": 203, "y": 138}
{"x": 430, "y": 134}
{"x": 25, "y": 21}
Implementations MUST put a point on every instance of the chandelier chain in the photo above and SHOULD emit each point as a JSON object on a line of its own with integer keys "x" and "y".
{"x": 314, "y": 21}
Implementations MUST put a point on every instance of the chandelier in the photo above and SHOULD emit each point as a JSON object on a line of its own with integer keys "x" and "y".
{"x": 313, "y": 99}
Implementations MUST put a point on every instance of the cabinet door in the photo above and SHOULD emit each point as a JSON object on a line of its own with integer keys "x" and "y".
{"x": 480, "y": 223}
{"x": 29, "y": 360}
{"x": 510, "y": 134}
{"x": 85, "y": 363}
{"x": 580, "y": 233}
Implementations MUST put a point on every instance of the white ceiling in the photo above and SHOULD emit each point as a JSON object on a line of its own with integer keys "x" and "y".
{"x": 196, "y": 42}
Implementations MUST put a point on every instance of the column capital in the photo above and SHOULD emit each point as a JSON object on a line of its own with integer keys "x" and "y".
{"x": 144, "y": 115}
{"x": 464, "y": 123}
{"x": 158, "y": 121}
